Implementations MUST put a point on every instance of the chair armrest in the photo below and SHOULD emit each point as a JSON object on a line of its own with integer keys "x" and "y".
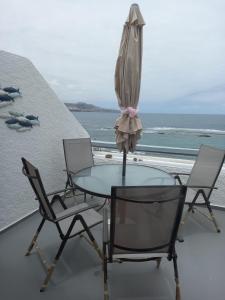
{"x": 64, "y": 170}
{"x": 105, "y": 226}
{"x": 58, "y": 192}
{"x": 68, "y": 212}
{"x": 177, "y": 174}
{"x": 57, "y": 197}
{"x": 201, "y": 187}
{"x": 71, "y": 172}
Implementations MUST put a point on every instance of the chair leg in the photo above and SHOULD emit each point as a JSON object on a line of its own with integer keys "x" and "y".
{"x": 92, "y": 239}
{"x": 65, "y": 239}
{"x": 35, "y": 237}
{"x": 69, "y": 183}
{"x": 207, "y": 202}
{"x": 185, "y": 216}
{"x": 212, "y": 215}
{"x": 105, "y": 270}
{"x": 178, "y": 295}
{"x": 158, "y": 261}
{"x": 190, "y": 209}
{"x": 106, "y": 291}
{"x": 47, "y": 278}
{"x": 52, "y": 267}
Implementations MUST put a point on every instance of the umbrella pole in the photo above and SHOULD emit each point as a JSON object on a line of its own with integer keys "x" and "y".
{"x": 124, "y": 162}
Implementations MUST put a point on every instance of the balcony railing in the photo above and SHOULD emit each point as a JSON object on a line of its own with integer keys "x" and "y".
{"x": 183, "y": 161}
{"x": 170, "y": 151}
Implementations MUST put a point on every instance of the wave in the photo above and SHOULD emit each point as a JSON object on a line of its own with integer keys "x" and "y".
{"x": 105, "y": 129}
{"x": 173, "y": 130}
{"x": 182, "y": 130}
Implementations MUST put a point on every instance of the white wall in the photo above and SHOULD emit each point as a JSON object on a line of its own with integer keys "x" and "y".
{"x": 41, "y": 145}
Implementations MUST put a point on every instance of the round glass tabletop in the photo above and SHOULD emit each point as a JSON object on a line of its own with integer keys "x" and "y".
{"x": 99, "y": 179}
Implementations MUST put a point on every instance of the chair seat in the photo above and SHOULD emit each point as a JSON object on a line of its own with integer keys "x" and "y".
{"x": 120, "y": 253}
{"x": 144, "y": 221}
{"x": 67, "y": 219}
{"x": 91, "y": 217}
{"x": 139, "y": 255}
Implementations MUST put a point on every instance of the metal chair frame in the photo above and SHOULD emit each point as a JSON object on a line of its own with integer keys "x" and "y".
{"x": 109, "y": 245}
{"x": 69, "y": 181}
{"x": 77, "y": 216}
{"x": 192, "y": 206}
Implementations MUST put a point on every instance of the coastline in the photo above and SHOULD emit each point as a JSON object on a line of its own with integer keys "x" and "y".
{"x": 84, "y": 107}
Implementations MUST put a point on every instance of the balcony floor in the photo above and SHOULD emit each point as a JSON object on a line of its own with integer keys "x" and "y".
{"x": 78, "y": 274}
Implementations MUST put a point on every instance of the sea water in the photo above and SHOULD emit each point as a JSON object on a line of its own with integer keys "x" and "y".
{"x": 165, "y": 130}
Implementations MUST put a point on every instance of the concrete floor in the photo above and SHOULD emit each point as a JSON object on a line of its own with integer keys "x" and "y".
{"x": 78, "y": 275}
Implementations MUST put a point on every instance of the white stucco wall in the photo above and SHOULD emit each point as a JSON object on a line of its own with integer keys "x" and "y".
{"x": 41, "y": 145}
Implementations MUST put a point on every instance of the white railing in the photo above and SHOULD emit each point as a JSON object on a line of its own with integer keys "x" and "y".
{"x": 149, "y": 149}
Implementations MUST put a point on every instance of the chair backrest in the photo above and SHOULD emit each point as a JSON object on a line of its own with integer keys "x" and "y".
{"x": 78, "y": 154}
{"x": 35, "y": 180}
{"x": 145, "y": 219}
{"x": 206, "y": 168}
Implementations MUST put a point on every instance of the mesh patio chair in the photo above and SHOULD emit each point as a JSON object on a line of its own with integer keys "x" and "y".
{"x": 69, "y": 222}
{"x": 143, "y": 226}
{"x": 78, "y": 156}
{"x": 202, "y": 179}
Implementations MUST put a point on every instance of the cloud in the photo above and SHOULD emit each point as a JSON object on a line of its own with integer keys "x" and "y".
{"x": 75, "y": 44}
{"x": 211, "y": 96}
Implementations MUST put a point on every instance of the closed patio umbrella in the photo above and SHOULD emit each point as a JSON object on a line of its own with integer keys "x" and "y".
{"x": 127, "y": 83}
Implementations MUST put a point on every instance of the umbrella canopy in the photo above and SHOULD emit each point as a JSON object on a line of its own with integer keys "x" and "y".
{"x": 127, "y": 81}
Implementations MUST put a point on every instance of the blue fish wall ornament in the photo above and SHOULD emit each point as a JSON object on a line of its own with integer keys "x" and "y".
{"x": 11, "y": 90}
{"x": 5, "y": 103}
{"x": 11, "y": 121}
{"x": 3, "y": 92}
{"x": 25, "y": 123}
{"x": 14, "y": 126}
{"x": 32, "y": 117}
{"x": 6, "y": 98}
{"x": 16, "y": 114}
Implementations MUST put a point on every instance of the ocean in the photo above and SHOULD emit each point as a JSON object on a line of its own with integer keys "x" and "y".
{"x": 165, "y": 130}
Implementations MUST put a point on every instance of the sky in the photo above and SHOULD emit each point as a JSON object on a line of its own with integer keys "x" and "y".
{"x": 75, "y": 43}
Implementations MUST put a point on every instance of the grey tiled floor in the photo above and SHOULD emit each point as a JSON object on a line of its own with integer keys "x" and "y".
{"x": 79, "y": 275}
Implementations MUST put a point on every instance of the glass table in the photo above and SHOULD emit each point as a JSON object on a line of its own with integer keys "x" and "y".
{"x": 99, "y": 179}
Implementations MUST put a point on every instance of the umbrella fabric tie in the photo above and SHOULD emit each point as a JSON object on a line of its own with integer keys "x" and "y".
{"x": 130, "y": 110}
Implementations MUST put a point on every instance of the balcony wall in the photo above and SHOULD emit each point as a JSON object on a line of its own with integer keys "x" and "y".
{"x": 42, "y": 145}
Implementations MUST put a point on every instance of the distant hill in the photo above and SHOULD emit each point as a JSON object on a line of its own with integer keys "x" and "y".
{"x": 82, "y": 106}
